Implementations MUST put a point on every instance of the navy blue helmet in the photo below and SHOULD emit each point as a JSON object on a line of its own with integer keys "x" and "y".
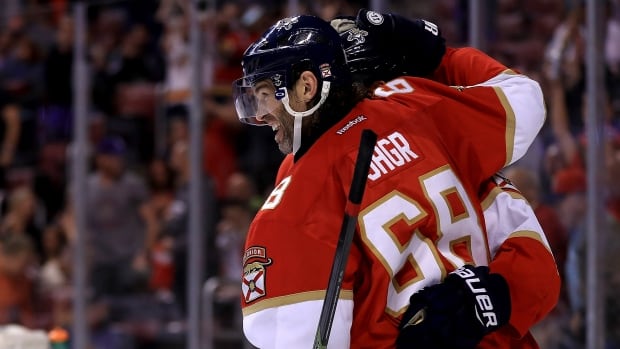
{"x": 284, "y": 51}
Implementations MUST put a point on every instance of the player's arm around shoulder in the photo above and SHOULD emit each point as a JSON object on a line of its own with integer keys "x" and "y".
{"x": 523, "y": 103}
{"x": 466, "y": 66}
{"x": 521, "y": 254}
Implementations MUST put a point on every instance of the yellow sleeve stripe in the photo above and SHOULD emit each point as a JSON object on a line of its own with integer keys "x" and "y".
{"x": 510, "y": 124}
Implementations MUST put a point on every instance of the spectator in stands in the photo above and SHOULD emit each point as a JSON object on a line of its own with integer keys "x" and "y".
{"x": 107, "y": 31}
{"x": 20, "y": 219}
{"x": 565, "y": 57}
{"x": 136, "y": 60}
{"x": 241, "y": 186}
{"x": 50, "y": 180}
{"x": 58, "y": 63}
{"x": 571, "y": 147}
{"x": 231, "y": 231}
{"x": 10, "y": 129}
{"x": 54, "y": 271}
{"x": 175, "y": 45}
{"x": 115, "y": 229}
{"x": 55, "y": 113}
{"x": 219, "y": 157}
{"x": 21, "y": 74}
{"x": 16, "y": 285}
{"x": 21, "y": 82}
{"x": 236, "y": 214}
{"x": 6, "y": 42}
{"x": 178, "y": 226}
{"x": 569, "y": 185}
{"x": 138, "y": 68}
{"x": 157, "y": 211}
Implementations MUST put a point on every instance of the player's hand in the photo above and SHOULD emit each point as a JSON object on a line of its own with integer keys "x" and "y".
{"x": 456, "y": 313}
{"x": 418, "y": 41}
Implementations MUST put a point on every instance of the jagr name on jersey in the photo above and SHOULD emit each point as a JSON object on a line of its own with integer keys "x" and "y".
{"x": 390, "y": 153}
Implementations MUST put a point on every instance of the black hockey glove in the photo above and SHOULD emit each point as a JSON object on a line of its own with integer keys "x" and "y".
{"x": 418, "y": 41}
{"x": 456, "y": 313}
{"x": 385, "y": 46}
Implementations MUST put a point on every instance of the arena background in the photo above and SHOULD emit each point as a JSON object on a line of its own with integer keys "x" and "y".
{"x": 127, "y": 183}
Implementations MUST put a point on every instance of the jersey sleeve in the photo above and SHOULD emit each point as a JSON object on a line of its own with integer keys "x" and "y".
{"x": 466, "y": 66}
{"x": 288, "y": 255}
{"x": 524, "y": 104}
{"x": 521, "y": 95}
{"x": 521, "y": 254}
{"x": 508, "y": 104}
{"x": 505, "y": 112}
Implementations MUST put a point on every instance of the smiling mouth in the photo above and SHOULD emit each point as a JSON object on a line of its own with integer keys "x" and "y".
{"x": 278, "y": 135}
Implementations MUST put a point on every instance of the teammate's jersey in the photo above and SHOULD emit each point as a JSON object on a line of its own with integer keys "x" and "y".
{"x": 420, "y": 215}
{"x": 521, "y": 254}
{"x": 512, "y": 227}
{"x": 466, "y": 66}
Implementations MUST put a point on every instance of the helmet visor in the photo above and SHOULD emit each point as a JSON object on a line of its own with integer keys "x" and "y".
{"x": 258, "y": 95}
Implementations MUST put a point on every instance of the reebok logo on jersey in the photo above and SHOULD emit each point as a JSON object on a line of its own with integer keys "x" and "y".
{"x": 350, "y": 124}
{"x": 255, "y": 261}
{"x": 484, "y": 306}
{"x": 390, "y": 153}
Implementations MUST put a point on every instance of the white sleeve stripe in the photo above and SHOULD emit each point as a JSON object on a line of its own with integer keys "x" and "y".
{"x": 511, "y": 216}
{"x": 523, "y": 100}
{"x": 510, "y": 124}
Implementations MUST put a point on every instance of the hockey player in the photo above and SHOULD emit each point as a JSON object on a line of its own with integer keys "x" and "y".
{"x": 380, "y": 47}
{"x": 411, "y": 233}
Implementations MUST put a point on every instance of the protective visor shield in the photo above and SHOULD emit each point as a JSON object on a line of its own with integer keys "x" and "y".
{"x": 258, "y": 95}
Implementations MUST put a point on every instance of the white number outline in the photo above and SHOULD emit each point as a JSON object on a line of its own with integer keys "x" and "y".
{"x": 399, "y": 85}
{"x": 424, "y": 256}
{"x": 273, "y": 200}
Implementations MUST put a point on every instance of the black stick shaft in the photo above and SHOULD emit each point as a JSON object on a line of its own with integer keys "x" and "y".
{"x": 347, "y": 230}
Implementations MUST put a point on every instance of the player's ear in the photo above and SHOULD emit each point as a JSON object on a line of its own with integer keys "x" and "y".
{"x": 307, "y": 86}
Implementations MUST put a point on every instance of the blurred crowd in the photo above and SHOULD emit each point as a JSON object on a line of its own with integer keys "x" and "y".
{"x": 137, "y": 195}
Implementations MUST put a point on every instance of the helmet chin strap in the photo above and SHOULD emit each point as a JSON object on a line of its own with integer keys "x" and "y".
{"x": 299, "y": 115}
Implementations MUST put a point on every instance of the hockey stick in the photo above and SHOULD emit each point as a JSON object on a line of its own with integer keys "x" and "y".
{"x": 356, "y": 192}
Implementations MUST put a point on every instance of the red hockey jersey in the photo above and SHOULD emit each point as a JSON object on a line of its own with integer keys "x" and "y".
{"x": 421, "y": 216}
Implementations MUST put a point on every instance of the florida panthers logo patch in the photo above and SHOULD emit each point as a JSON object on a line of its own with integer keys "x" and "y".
{"x": 255, "y": 262}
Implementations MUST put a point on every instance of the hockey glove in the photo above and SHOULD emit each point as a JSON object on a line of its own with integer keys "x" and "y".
{"x": 418, "y": 41}
{"x": 456, "y": 313}
{"x": 381, "y": 47}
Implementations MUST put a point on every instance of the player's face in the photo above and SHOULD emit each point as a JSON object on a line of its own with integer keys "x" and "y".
{"x": 256, "y": 95}
{"x": 272, "y": 113}
{"x": 261, "y": 103}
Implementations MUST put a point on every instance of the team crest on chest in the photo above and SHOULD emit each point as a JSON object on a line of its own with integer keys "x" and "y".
{"x": 255, "y": 261}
